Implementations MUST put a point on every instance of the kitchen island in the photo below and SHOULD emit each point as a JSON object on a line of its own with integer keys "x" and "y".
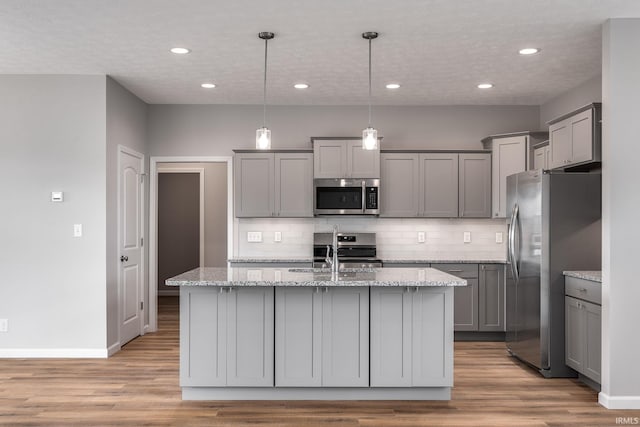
{"x": 303, "y": 333}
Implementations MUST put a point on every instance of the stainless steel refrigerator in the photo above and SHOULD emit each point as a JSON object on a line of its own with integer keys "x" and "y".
{"x": 554, "y": 225}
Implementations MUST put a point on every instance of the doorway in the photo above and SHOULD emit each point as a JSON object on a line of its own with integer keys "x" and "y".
{"x": 191, "y": 221}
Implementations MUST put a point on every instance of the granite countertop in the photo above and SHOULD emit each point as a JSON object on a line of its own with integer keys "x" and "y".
{"x": 594, "y": 276}
{"x": 220, "y": 276}
{"x": 266, "y": 260}
{"x": 384, "y": 261}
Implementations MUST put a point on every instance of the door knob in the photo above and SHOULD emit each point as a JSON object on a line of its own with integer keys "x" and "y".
{"x": 124, "y": 258}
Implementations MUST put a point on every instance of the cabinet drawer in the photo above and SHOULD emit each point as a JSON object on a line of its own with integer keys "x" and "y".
{"x": 583, "y": 289}
{"x": 465, "y": 271}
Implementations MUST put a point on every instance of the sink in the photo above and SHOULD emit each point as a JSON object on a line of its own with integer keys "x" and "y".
{"x": 328, "y": 270}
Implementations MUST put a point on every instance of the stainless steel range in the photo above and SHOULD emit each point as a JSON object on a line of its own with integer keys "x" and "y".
{"x": 355, "y": 250}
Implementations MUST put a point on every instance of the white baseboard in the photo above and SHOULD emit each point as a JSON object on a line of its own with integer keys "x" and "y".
{"x": 113, "y": 349}
{"x": 54, "y": 353}
{"x": 619, "y": 402}
{"x": 169, "y": 293}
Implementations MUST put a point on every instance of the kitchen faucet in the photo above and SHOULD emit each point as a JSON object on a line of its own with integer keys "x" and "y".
{"x": 333, "y": 262}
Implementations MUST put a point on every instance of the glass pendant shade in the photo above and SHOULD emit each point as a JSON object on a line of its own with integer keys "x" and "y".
{"x": 370, "y": 139}
{"x": 263, "y": 139}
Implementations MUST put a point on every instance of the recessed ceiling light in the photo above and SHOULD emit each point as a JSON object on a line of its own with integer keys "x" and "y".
{"x": 393, "y": 86}
{"x": 301, "y": 86}
{"x": 208, "y": 85}
{"x": 485, "y": 86}
{"x": 180, "y": 50}
{"x": 529, "y": 51}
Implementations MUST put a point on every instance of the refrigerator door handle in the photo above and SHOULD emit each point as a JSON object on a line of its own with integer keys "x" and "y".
{"x": 510, "y": 243}
{"x": 515, "y": 254}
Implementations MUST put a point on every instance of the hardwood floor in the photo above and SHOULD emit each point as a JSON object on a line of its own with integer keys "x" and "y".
{"x": 139, "y": 386}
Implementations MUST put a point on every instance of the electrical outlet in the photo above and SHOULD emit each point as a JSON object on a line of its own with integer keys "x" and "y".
{"x": 254, "y": 236}
{"x": 277, "y": 236}
{"x": 466, "y": 237}
{"x": 254, "y": 275}
{"x": 421, "y": 236}
{"x": 77, "y": 230}
{"x": 499, "y": 237}
{"x": 4, "y": 325}
{"x": 277, "y": 276}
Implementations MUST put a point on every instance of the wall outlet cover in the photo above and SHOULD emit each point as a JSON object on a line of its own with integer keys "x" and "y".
{"x": 466, "y": 237}
{"x": 77, "y": 230}
{"x": 255, "y": 275}
{"x": 254, "y": 236}
{"x": 277, "y": 236}
{"x": 498, "y": 237}
{"x": 421, "y": 236}
{"x": 4, "y": 325}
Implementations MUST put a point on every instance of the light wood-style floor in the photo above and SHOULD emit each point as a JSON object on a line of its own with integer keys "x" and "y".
{"x": 139, "y": 386}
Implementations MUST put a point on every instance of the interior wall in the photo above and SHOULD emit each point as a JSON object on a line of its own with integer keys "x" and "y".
{"x": 126, "y": 124}
{"x": 52, "y": 286}
{"x": 620, "y": 206}
{"x": 206, "y": 130}
{"x": 583, "y": 94}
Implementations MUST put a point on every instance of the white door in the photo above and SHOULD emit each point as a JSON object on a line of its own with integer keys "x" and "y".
{"x": 130, "y": 277}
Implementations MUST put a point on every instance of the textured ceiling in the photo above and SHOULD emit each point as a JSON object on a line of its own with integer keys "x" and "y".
{"x": 438, "y": 50}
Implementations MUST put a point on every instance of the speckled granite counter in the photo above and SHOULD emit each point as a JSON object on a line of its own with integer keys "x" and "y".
{"x": 441, "y": 261}
{"x": 265, "y": 260}
{"x": 594, "y": 276}
{"x": 229, "y": 277}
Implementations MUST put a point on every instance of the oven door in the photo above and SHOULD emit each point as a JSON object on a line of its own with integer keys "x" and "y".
{"x": 338, "y": 197}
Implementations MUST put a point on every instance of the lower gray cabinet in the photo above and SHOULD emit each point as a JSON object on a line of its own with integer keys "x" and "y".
{"x": 322, "y": 337}
{"x": 583, "y": 337}
{"x": 491, "y": 285}
{"x": 465, "y": 305}
{"x": 411, "y": 340}
{"x": 226, "y": 336}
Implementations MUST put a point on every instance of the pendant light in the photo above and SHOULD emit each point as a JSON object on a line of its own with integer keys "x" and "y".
{"x": 263, "y": 134}
{"x": 370, "y": 134}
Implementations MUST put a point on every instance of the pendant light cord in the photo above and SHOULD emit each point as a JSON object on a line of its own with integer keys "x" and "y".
{"x": 264, "y": 98}
{"x": 369, "y": 82}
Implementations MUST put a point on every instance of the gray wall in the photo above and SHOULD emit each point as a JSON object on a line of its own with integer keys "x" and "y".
{"x": 583, "y": 94}
{"x": 126, "y": 124}
{"x": 199, "y": 130}
{"x": 52, "y": 285}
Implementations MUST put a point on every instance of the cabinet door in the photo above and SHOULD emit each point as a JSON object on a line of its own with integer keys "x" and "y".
{"x": 203, "y": 337}
{"x": 582, "y": 137}
{"x": 593, "y": 341}
{"x": 560, "y": 143}
{"x": 253, "y": 192}
{"x": 362, "y": 163}
{"x": 574, "y": 333}
{"x": 400, "y": 185}
{"x": 432, "y": 337}
{"x": 294, "y": 184}
{"x": 250, "y": 337}
{"x": 298, "y": 337}
{"x": 547, "y": 157}
{"x": 465, "y": 311}
{"x": 539, "y": 160}
{"x": 391, "y": 337}
{"x": 329, "y": 159}
{"x": 509, "y": 156}
{"x": 439, "y": 185}
{"x": 345, "y": 337}
{"x": 474, "y": 185}
{"x": 491, "y": 297}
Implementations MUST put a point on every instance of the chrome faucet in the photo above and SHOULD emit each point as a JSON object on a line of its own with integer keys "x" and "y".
{"x": 333, "y": 263}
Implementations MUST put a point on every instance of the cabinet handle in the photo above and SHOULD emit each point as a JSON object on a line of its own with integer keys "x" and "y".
{"x": 454, "y": 271}
{"x": 583, "y": 289}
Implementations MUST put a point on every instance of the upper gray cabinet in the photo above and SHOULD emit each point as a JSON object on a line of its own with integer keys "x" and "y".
{"x": 542, "y": 156}
{"x": 510, "y": 155}
{"x": 435, "y": 184}
{"x": 344, "y": 158}
{"x": 574, "y": 139}
{"x": 273, "y": 184}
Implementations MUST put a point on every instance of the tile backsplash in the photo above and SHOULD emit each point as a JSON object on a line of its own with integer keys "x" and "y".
{"x": 396, "y": 238}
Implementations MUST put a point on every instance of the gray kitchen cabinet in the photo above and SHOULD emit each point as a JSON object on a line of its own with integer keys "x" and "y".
{"x": 474, "y": 192}
{"x": 322, "y": 337}
{"x": 231, "y": 344}
{"x": 400, "y": 184}
{"x": 575, "y": 137}
{"x": 465, "y": 303}
{"x": 403, "y": 334}
{"x": 273, "y": 184}
{"x": 583, "y": 329}
{"x": 293, "y": 184}
{"x": 344, "y": 158}
{"x": 491, "y": 289}
{"x": 509, "y": 155}
{"x": 542, "y": 157}
{"x": 439, "y": 185}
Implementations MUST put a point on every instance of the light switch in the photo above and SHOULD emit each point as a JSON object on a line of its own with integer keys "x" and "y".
{"x": 466, "y": 237}
{"x": 499, "y": 237}
{"x": 254, "y": 236}
{"x": 277, "y": 236}
{"x": 421, "y": 237}
{"x": 77, "y": 230}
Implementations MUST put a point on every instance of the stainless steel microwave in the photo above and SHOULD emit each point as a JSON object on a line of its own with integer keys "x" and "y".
{"x": 348, "y": 196}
